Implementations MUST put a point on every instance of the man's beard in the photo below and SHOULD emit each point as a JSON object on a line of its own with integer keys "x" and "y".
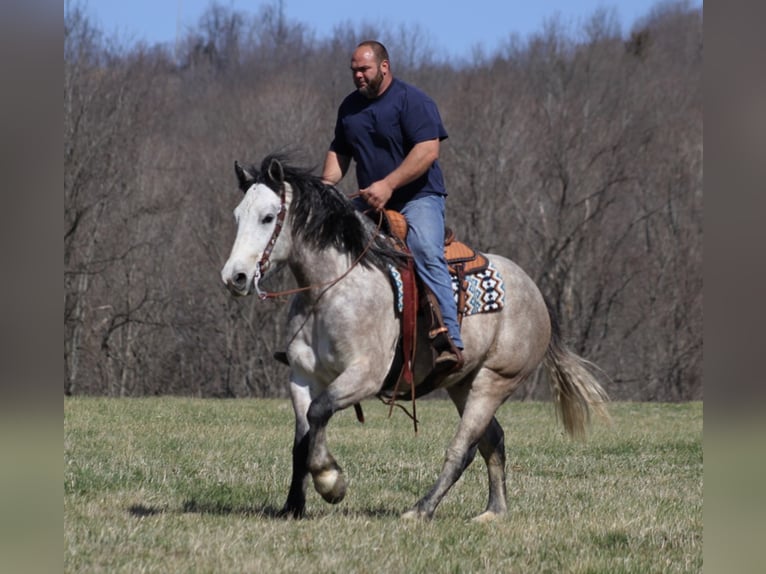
{"x": 372, "y": 89}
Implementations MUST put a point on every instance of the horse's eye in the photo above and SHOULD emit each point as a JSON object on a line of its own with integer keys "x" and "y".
{"x": 268, "y": 219}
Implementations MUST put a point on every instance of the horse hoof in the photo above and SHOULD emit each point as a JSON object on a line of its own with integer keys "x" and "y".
{"x": 487, "y": 516}
{"x": 331, "y": 485}
{"x": 415, "y": 514}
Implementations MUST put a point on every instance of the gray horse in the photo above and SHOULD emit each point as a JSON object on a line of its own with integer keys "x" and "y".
{"x": 343, "y": 330}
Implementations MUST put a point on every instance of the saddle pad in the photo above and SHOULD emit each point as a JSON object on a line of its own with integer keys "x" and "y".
{"x": 398, "y": 285}
{"x": 484, "y": 291}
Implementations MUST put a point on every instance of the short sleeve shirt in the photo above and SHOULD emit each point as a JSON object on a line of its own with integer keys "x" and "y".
{"x": 378, "y": 134}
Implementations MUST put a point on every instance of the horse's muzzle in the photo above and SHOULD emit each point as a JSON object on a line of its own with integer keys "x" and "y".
{"x": 239, "y": 283}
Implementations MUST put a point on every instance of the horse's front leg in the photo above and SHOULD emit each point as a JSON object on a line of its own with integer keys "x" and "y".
{"x": 295, "y": 505}
{"x": 326, "y": 472}
{"x": 352, "y": 386}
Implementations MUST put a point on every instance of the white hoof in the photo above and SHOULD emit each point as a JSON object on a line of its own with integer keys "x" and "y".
{"x": 486, "y": 516}
{"x": 414, "y": 514}
{"x": 331, "y": 485}
{"x": 325, "y": 481}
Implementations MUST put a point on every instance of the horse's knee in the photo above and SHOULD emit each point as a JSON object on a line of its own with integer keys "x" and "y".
{"x": 320, "y": 411}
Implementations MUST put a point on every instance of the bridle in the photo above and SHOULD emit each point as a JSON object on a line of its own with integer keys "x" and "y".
{"x": 264, "y": 261}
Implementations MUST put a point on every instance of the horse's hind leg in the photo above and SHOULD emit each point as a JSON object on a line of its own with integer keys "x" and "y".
{"x": 492, "y": 448}
{"x": 477, "y": 427}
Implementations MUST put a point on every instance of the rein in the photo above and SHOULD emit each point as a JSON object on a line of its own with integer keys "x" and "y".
{"x": 263, "y": 295}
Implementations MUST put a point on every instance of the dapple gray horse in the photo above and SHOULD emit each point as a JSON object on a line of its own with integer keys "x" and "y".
{"x": 343, "y": 329}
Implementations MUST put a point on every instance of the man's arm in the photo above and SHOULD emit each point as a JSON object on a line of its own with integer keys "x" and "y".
{"x": 417, "y": 162}
{"x": 335, "y": 167}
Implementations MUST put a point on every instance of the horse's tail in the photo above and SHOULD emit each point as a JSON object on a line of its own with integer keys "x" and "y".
{"x": 576, "y": 390}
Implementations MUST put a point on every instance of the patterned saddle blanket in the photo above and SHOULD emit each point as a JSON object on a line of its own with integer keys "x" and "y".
{"x": 484, "y": 291}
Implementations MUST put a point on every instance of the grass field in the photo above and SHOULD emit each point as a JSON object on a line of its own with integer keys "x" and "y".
{"x": 186, "y": 485}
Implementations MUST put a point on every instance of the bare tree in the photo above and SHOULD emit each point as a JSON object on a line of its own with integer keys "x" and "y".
{"x": 579, "y": 156}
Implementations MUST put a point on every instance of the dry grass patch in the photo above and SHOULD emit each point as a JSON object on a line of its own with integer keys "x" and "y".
{"x": 186, "y": 485}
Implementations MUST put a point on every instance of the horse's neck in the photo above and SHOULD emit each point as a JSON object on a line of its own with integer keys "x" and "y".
{"x": 311, "y": 266}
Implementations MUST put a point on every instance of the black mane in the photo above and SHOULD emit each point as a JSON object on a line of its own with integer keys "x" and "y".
{"x": 324, "y": 217}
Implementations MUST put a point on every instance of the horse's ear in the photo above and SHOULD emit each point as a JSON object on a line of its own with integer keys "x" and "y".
{"x": 244, "y": 177}
{"x": 275, "y": 171}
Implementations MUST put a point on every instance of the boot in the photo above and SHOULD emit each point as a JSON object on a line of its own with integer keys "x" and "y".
{"x": 447, "y": 357}
{"x": 449, "y": 361}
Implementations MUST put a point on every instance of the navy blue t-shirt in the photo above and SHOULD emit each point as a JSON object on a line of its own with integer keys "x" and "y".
{"x": 379, "y": 133}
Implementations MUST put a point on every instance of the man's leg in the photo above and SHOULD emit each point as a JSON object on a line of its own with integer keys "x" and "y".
{"x": 425, "y": 239}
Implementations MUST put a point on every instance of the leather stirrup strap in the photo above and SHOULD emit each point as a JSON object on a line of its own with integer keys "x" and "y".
{"x": 408, "y": 334}
{"x": 460, "y": 273}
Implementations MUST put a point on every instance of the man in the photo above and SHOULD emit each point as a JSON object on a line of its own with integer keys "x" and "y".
{"x": 392, "y": 131}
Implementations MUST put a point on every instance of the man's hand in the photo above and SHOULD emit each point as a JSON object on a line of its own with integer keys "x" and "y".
{"x": 418, "y": 160}
{"x": 377, "y": 195}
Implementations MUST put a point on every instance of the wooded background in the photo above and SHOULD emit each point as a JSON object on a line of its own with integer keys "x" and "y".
{"x": 577, "y": 153}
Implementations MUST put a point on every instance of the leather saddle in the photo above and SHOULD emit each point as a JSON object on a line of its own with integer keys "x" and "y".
{"x": 462, "y": 259}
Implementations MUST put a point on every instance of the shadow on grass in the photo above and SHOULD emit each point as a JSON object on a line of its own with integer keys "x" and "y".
{"x": 141, "y": 510}
{"x": 372, "y": 512}
{"x": 193, "y": 506}
{"x": 216, "y": 507}
{"x": 212, "y": 506}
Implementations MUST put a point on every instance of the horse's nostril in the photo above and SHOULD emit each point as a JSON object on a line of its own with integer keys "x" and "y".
{"x": 240, "y": 280}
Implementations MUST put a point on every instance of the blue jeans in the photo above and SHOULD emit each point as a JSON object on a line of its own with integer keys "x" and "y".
{"x": 425, "y": 239}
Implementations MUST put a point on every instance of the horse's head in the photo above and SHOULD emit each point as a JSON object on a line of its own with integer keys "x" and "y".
{"x": 262, "y": 238}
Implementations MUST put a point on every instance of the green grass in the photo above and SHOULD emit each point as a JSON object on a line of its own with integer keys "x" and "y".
{"x": 188, "y": 485}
